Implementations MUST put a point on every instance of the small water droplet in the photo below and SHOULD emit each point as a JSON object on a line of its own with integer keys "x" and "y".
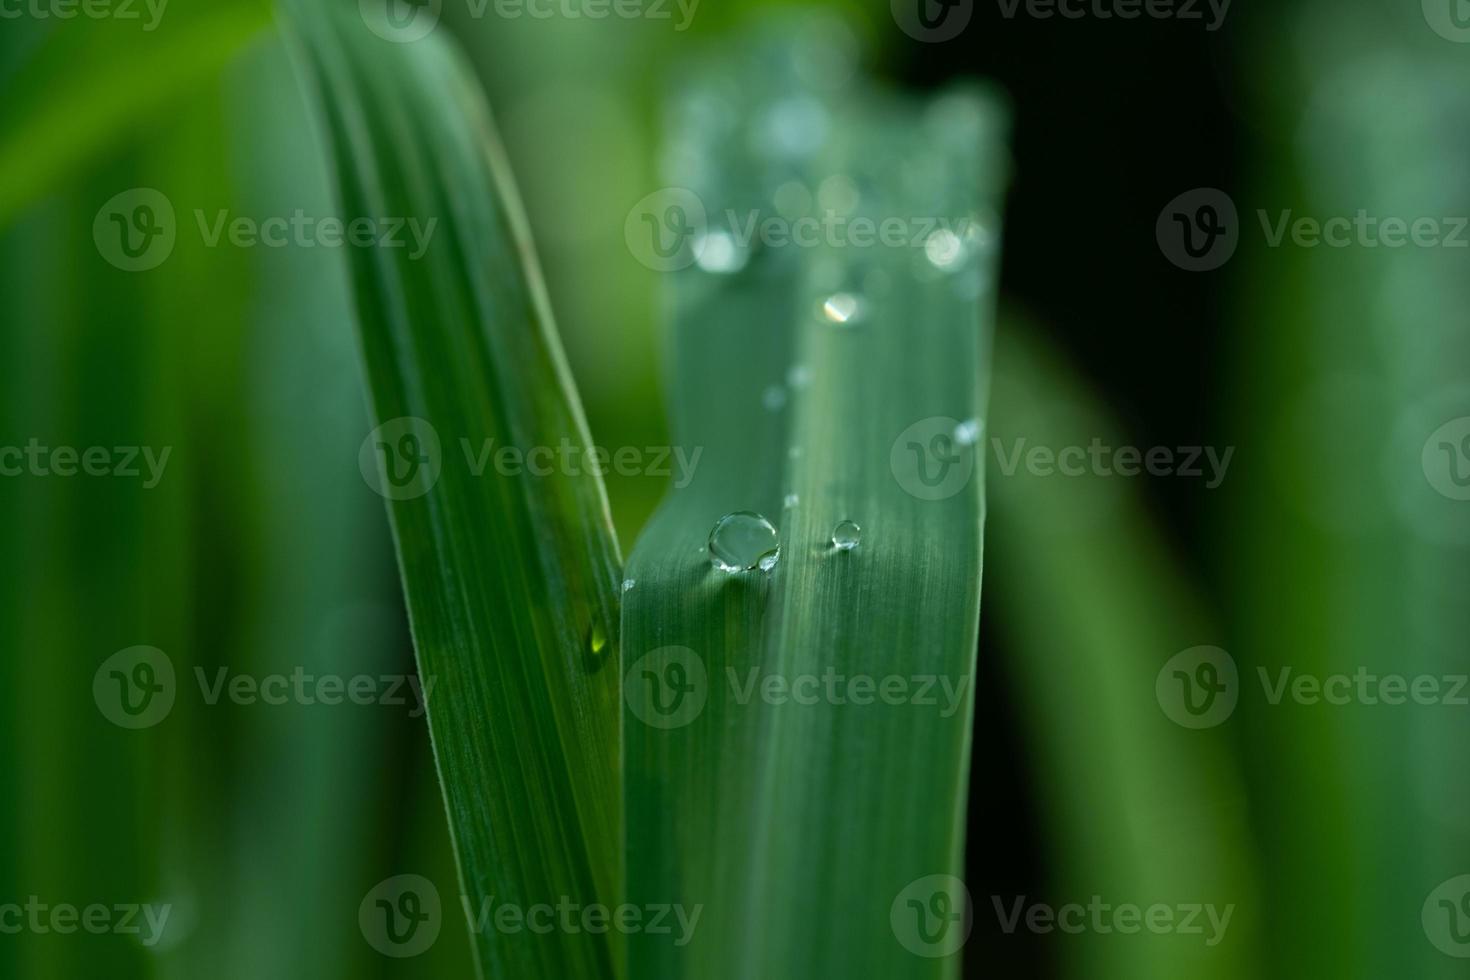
{"x": 794, "y": 452}
{"x": 967, "y": 433}
{"x": 791, "y": 501}
{"x": 773, "y": 398}
{"x": 742, "y": 541}
{"x": 718, "y": 251}
{"x": 843, "y": 308}
{"x": 628, "y": 584}
{"x": 798, "y": 376}
{"x": 944, "y": 249}
{"x": 845, "y": 535}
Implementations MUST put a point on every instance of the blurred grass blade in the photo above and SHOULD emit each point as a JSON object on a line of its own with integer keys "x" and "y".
{"x": 1138, "y": 808}
{"x": 506, "y": 577}
{"x": 800, "y": 830}
{"x": 90, "y": 82}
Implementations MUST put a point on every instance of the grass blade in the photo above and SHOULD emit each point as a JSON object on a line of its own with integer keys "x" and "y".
{"x": 506, "y": 576}
{"x": 753, "y": 813}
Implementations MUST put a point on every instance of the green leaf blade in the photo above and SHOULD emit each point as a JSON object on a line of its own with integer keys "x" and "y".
{"x": 507, "y": 573}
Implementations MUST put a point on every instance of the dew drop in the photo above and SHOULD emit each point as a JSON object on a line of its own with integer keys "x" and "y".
{"x": 799, "y": 376}
{"x": 774, "y": 397}
{"x": 843, "y": 308}
{"x": 596, "y": 638}
{"x": 717, "y": 251}
{"x": 742, "y": 541}
{"x": 628, "y": 584}
{"x": 943, "y": 249}
{"x": 845, "y": 535}
{"x": 967, "y": 433}
{"x": 791, "y": 501}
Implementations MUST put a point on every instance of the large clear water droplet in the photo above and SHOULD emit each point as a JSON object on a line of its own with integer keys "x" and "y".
{"x": 845, "y": 535}
{"x": 719, "y": 252}
{"x": 843, "y": 308}
{"x": 742, "y": 541}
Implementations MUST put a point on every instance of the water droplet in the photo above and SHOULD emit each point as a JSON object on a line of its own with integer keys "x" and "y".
{"x": 845, "y": 535}
{"x": 967, "y": 433}
{"x": 628, "y": 584}
{"x": 794, "y": 452}
{"x": 773, "y": 398}
{"x": 742, "y": 541}
{"x": 944, "y": 249}
{"x": 843, "y": 308}
{"x": 717, "y": 251}
{"x": 798, "y": 376}
{"x": 791, "y": 500}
